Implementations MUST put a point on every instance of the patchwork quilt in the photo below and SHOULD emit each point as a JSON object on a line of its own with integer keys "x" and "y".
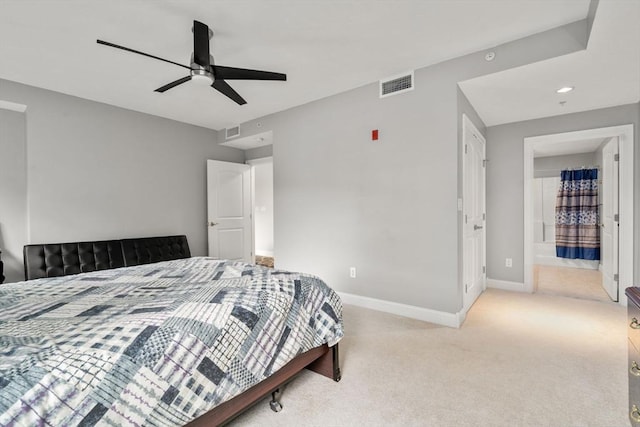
{"x": 156, "y": 344}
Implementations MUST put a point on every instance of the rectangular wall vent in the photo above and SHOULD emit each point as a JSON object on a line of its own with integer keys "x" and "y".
{"x": 396, "y": 84}
{"x": 232, "y": 132}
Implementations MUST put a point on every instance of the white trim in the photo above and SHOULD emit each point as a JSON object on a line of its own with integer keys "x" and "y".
{"x": 453, "y": 320}
{"x": 626, "y": 199}
{"x": 584, "y": 264}
{"x": 252, "y": 174}
{"x": 506, "y": 285}
{"x": 528, "y": 216}
{"x": 8, "y": 105}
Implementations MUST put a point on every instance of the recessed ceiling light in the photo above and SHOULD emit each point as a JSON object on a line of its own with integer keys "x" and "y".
{"x": 565, "y": 89}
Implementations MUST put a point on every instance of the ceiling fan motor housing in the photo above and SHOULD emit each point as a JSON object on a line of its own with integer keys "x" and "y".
{"x": 200, "y": 73}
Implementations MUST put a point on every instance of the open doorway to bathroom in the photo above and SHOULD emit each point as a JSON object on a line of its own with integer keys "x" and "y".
{"x": 565, "y": 275}
{"x": 545, "y": 156}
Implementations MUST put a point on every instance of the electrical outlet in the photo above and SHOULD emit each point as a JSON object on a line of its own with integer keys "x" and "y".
{"x": 508, "y": 262}
{"x": 352, "y": 272}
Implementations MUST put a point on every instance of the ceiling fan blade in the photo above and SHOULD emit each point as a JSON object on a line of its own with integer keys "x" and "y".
{"x": 173, "y": 84}
{"x": 232, "y": 73}
{"x": 201, "y": 44}
{"x": 140, "y": 53}
{"x": 224, "y": 88}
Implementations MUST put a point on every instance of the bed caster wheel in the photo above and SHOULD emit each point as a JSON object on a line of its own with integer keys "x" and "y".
{"x": 275, "y": 404}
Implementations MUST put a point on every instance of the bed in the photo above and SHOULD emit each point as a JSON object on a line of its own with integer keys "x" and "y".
{"x": 138, "y": 332}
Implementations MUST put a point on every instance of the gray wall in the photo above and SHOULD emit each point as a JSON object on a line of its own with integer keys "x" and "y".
{"x": 505, "y": 182}
{"x": 254, "y": 153}
{"x": 96, "y": 171}
{"x": 387, "y": 207}
{"x": 13, "y": 192}
{"x": 552, "y": 165}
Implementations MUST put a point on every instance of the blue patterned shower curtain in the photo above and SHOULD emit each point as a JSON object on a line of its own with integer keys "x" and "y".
{"x": 577, "y": 230}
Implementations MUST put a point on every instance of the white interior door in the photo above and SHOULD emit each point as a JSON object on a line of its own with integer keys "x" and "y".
{"x": 474, "y": 233}
{"x": 230, "y": 227}
{"x": 609, "y": 224}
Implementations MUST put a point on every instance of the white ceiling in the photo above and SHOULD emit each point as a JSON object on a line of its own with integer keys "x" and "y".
{"x": 325, "y": 47}
{"x": 606, "y": 74}
{"x": 568, "y": 147}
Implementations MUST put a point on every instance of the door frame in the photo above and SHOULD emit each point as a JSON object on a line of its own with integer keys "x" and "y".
{"x": 253, "y": 163}
{"x": 625, "y": 191}
{"x": 469, "y": 127}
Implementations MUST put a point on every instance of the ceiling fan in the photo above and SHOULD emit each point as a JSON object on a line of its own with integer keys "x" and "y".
{"x": 203, "y": 70}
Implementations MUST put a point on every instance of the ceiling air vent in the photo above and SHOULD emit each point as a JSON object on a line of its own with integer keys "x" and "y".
{"x": 397, "y": 84}
{"x": 232, "y": 132}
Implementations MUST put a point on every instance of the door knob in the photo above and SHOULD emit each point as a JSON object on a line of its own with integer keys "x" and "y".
{"x": 477, "y": 227}
{"x": 212, "y": 224}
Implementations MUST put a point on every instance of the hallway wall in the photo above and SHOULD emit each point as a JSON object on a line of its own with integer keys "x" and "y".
{"x": 505, "y": 182}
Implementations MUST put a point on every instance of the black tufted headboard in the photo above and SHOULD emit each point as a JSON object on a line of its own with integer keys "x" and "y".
{"x": 153, "y": 249}
{"x": 61, "y": 259}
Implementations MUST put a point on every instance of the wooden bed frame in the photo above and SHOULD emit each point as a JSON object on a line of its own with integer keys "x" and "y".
{"x": 59, "y": 259}
{"x": 323, "y": 360}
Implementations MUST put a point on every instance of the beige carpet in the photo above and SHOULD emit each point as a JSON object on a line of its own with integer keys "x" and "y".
{"x": 265, "y": 261}
{"x": 570, "y": 282}
{"x": 518, "y": 360}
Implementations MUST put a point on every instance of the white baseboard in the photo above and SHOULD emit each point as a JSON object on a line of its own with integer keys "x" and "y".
{"x": 569, "y": 263}
{"x": 505, "y": 285}
{"x": 453, "y": 320}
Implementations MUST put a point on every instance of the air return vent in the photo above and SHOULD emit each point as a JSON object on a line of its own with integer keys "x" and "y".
{"x": 396, "y": 84}
{"x": 232, "y": 132}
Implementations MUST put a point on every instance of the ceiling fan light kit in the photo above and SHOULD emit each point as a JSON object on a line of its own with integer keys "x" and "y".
{"x": 202, "y": 76}
{"x": 202, "y": 69}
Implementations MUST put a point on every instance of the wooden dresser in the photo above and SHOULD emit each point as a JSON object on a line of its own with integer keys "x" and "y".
{"x": 633, "y": 330}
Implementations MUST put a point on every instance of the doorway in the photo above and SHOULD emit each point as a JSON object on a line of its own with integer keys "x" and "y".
{"x": 262, "y": 182}
{"x": 617, "y": 257}
{"x": 258, "y": 229}
{"x": 570, "y": 276}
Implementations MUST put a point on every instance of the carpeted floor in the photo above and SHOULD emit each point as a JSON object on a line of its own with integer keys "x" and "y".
{"x": 265, "y": 261}
{"x": 570, "y": 282}
{"x": 518, "y": 360}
